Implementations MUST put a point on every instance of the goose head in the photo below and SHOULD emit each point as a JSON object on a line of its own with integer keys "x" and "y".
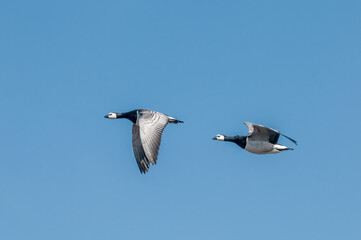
{"x": 111, "y": 115}
{"x": 219, "y": 137}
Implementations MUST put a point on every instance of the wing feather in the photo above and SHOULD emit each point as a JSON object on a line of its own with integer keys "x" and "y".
{"x": 140, "y": 156}
{"x": 151, "y": 125}
{"x": 262, "y": 133}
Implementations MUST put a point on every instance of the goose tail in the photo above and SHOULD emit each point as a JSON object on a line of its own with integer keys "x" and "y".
{"x": 173, "y": 120}
{"x": 282, "y": 148}
{"x": 285, "y": 149}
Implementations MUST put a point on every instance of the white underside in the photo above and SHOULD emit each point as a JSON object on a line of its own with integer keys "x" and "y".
{"x": 260, "y": 147}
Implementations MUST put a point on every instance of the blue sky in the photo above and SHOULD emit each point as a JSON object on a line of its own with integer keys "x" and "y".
{"x": 68, "y": 173}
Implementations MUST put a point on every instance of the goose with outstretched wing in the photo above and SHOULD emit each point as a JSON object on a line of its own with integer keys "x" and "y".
{"x": 147, "y": 132}
{"x": 260, "y": 140}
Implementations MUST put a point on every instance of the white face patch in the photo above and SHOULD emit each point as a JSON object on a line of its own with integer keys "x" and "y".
{"x": 220, "y": 137}
{"x": 112, "y": 115}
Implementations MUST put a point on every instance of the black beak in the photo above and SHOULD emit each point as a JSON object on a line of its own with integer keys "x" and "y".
{"x": 214, "y": 138}
{"x": 106, "y": 116}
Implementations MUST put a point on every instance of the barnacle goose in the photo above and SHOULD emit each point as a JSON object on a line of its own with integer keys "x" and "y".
{"x": 147, "y": 132}
{"x": 260, "y": 140}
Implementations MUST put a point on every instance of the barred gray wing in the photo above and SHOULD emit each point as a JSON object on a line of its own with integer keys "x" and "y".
{"x": 140, "y": 156}
{"x": 151, "y": 126}
{"x": 262, "y": 133}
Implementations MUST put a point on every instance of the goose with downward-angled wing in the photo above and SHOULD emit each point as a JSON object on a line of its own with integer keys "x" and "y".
{"x": 147, "y": 132}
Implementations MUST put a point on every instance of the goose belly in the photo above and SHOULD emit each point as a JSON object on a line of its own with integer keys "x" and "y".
{"x": 259, "y": 147}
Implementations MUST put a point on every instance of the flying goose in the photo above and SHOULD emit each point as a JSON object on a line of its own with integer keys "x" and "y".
{"x": 260, "y": 140}
{"x": 147, "y": 132}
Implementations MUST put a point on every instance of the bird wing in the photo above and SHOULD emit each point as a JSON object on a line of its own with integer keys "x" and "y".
{"x": 147, "y": 133}
{"x": 262, "y": 133}
{"x": 142, "y": 160}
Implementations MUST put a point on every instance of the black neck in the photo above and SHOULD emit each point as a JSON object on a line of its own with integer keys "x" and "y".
{"x": 132, "y": 115}
{"x": 230, "y": 139}
{"x": 239, "y": 140}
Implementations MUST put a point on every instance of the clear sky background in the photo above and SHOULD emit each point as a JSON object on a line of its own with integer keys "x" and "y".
{"x": 68, "y": 173}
